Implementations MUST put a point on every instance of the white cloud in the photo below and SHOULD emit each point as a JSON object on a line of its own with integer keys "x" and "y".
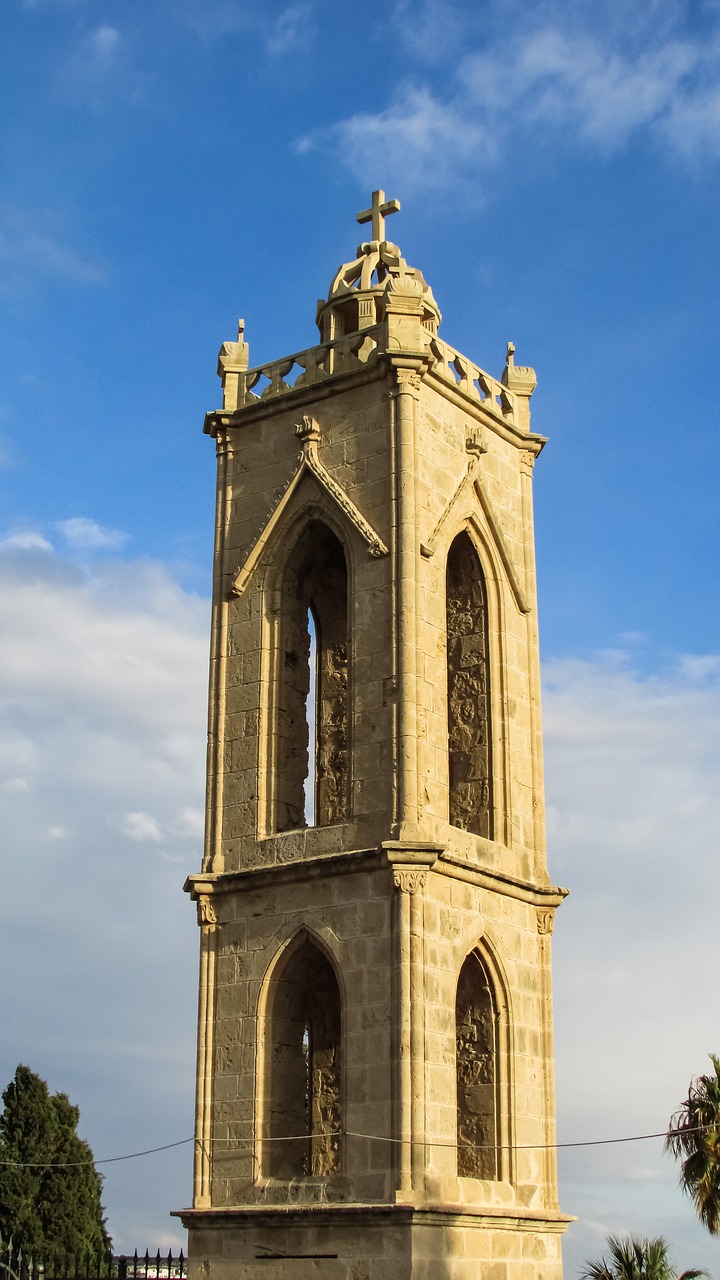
{"x": 101, "y": 68}
{"x": 209, "y": 19}
{"x": 632, "y": 763}
{"x": 25, "y": 541}
{"x": 141, "y": 827}
{"x": 87, "y": 535}
{"x": 102, "y": 46}
{"x": 103, "y": 684}
{"x": 15, "y": 787}
{"x": 190, "y": 822}
{"x": 540, "y": 80}
{"x": 430, "y": 30}
{"x": 49, "y": 4}
{"x": 418, "y": 139}
{"x": 103, "y": 689}
{"x": 290, "y": 29}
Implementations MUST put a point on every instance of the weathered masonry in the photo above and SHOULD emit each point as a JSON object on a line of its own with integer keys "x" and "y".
{"x": 375, "y": 1094}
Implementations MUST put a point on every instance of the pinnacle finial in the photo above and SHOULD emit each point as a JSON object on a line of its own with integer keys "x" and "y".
{"x": 377, "y": 214}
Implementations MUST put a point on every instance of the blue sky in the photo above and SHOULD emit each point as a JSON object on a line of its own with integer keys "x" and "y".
{"x": 168, "y": 167}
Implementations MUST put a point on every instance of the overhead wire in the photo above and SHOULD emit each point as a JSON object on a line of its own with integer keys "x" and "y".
{"x": 349, "y": 1133}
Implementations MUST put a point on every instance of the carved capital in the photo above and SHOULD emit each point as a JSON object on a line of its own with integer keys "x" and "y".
{"x": 409, "y": 879}
{"x": 527, "y": 462}
{"x": 407, "y": 382}
{"x": 475, "y": 441}
{"x": 308, "y": 430}
{"x": 206, "y": 915}
{"x": 223, "y": 442}
{"x": 545, "y": 922}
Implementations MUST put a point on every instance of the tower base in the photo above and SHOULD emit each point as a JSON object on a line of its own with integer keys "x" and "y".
{"x": 373, "y": 1242}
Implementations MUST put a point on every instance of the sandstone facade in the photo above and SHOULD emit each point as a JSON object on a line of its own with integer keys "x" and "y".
{"x": 375, "y": 1060}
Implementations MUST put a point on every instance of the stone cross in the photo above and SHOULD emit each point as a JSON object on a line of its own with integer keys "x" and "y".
{"x": 377, "y": 213}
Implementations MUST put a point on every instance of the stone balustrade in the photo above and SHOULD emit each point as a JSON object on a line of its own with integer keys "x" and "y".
{"x": 471, "y": 379}
{"x": 305, "y": 368}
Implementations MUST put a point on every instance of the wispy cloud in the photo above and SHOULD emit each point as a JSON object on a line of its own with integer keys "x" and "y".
{"x": 26, "y": 540}
{"x": 15, "y": 787}
{"x": 290, "y": 30}
{"x": 103, "y": 688}
{"x": 533, "y": 84}
{"x": 82, "y": 534}
{"x": 102, "y": 69}
{"x": 141, "y": 827}
{"x": 632, "y": 762}
{"x": 418, "y": 138}
{"x": 102, "y": 47}
{"x": 35, "y": 244}
{"x": 101, "y": 764}
{"x": 51, "y": 4}
{"x": 211, "y": 19}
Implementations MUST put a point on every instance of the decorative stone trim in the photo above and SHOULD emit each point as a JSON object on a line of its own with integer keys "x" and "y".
{"x": 545, "y": 922}
{"x": 471, "y": 480}
{"x": 409, "y": 879}
{"x": 308, "y": 431}
{"x": 206, "y": 914}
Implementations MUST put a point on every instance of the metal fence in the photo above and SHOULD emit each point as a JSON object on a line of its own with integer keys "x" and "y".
{"x": 19, "y": 1264}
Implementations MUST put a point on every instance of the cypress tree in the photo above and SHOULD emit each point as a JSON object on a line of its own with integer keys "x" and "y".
{"x": 50, "y": 1190}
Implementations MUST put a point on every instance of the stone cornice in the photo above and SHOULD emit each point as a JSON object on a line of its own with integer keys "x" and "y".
{"x": 391, "y": 854}
{"x": 213, "y": 882}
{"x": 498, "y": 1217}
{"x": 539, "y": 895}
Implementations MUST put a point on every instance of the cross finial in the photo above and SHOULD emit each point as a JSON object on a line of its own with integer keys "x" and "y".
{"x": 377, "y": 214}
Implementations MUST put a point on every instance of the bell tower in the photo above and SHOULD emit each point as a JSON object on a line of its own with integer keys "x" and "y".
{"x": 375, "y": 1090}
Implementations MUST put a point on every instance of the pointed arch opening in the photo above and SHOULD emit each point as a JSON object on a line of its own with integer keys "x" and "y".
{"x": 477, "y": 1045}
{"x": 311, "y": 759}
{"x": 468, "y": 679}
{"x": 302, "y": 1069}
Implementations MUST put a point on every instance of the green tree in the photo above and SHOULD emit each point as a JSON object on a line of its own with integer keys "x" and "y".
{"x": 635, "y": 1258}
{"x": 694, "y": 1138}
{"x": 50, "y": 1190}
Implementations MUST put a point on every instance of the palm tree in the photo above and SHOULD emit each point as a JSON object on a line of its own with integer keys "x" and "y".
{"x": 635, "y": 1258}
{"x": 694, "y": 1138}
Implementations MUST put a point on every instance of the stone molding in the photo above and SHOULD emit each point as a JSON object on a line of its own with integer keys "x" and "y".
{"x": 545, "y": 922}
{"x": 471, "y": 483}
{"x": 409, "y": 879}
{"x": 206, "y": 914}
{"x": 308, "y": 431}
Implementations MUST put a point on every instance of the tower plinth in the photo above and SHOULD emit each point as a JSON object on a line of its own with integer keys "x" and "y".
{"x": 375, "y": 1085}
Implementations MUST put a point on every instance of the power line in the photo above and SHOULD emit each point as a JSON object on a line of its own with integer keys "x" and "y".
{"x": 80, "y": 1164}
{"x": 349, "y": 1133}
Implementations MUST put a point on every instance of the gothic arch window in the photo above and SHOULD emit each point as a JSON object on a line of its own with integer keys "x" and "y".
{"x": 302, "y": 1070}
{"x": 468, "y": 676}
{"x": 311, "y": 758}
{"x": 477, "y": 1044}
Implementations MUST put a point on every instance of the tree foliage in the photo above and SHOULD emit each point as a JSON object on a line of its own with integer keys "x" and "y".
{"x": 694, "y": 1138}
{"x": 50, "y": 1190}
{"x": 636, "y": 1258}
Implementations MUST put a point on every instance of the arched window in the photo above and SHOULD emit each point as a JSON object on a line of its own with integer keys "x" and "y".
{"x": 476, "y": 1048}
{"x": 312, "y": 706}
{"x": 468, "y": 672}
{"x": 303, "y": 1109}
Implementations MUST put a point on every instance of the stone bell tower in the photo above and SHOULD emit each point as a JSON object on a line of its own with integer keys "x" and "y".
{"x": 375, "y": 1093}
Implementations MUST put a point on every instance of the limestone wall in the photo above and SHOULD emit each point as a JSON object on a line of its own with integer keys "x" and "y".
{"x": 357, "y": 433}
